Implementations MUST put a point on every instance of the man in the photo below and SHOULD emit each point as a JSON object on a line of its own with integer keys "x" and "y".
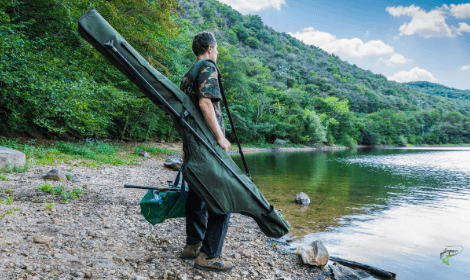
{"x": 205, "y": 229}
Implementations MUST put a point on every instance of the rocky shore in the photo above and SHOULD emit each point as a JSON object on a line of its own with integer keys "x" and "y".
{"x": 102, "y": 234}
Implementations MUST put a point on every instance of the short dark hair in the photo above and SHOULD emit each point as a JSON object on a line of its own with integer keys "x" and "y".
{"x": 202, "y": 41}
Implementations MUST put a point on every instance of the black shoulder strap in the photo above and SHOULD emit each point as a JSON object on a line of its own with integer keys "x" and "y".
{"x": 194, "y": 74}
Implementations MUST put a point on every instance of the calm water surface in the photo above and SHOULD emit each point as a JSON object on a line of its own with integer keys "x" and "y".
{"x": 394, "y": 209}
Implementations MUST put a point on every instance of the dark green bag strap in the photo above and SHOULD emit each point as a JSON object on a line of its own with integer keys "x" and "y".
{"x": 193, "y": 76}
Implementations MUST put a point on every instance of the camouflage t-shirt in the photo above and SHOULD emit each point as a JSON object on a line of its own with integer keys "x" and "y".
{"x": 205, "y": 86}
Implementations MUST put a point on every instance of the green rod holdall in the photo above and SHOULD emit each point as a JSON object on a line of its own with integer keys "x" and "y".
{"x": 209, "y": 170}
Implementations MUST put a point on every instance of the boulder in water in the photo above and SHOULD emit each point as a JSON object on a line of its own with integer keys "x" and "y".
{"x": 302, "y": 198}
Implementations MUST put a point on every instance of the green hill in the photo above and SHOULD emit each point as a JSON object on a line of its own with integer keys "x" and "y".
{"x": 53, "y": 83}
{"x": 439, "y": 90}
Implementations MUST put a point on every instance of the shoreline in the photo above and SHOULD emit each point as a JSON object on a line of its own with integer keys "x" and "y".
{"x": 294, "y": 149}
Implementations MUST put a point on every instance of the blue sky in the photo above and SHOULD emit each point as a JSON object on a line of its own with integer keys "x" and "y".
{"x": 402, "y": 40}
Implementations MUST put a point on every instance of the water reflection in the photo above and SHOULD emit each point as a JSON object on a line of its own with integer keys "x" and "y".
{"x": 412, "y": 203}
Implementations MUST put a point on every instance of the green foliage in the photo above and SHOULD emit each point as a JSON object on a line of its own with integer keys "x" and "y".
{"x": 95, "y": 152}
{"x": 152, "y": 150}
{"x": 49, "y": 206}
{"x": 232, "y": 37}
{"x": 16, "y": 169}
{"x": 60, "y": 190}
{"x": 9, "y": 200}
{"x": 242, "y": 33}
{"x": 3, "y": 178}
{"x": 53, "y": 83}
{"x": 252, "y": 42}
{"x": 402, "y": 141}
{"x": 45, "y": 187}
{"x": 439, "y": 90}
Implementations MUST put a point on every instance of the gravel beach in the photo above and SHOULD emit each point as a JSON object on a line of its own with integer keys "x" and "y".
{"x": 102, "y": 235}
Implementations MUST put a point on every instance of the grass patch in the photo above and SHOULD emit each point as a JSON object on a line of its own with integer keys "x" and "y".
{"x": 152, "y": 150}
{"x": 8, "y": 200}
{"x": 45, "y": 187}
{"x": 60, "y": 190}
{"x": 90, "y": 152}
{"x": 16, "y": 169}
{"x": 49, "y": 206}
{"x": 3, "y": 178}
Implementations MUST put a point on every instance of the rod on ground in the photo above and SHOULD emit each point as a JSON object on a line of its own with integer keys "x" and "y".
{"x": 150, "y": 188}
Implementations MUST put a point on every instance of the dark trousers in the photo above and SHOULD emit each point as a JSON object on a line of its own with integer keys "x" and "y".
{"x": 203, "y": 225}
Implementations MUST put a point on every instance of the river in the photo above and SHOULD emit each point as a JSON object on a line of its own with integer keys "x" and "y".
{"x": 395, "y": 209}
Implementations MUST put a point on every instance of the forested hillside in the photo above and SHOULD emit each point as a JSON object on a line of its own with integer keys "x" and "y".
{"x": 53, "y": 83}
{"x": 439, "y": 90}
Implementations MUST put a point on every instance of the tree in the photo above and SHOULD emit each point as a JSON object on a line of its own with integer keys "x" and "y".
{"x": 209, "y": 14}
{"x": 242, "y": 33}
{"x": 252, "y": 42}
{"x": 254, "y": 22}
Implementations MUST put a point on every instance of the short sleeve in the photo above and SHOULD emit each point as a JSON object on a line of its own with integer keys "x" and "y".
{"x": 209, "y": 83}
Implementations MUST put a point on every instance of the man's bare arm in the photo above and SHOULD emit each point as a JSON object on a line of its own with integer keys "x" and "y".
{"x": 209, "y": 115}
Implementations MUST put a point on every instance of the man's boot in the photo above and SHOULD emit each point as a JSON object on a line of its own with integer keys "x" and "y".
{"x": 191, "y": 251}
{"x": 215, "y": 264}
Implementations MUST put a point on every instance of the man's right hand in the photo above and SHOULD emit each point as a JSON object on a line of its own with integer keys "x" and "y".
{"x": 224, "y": 143}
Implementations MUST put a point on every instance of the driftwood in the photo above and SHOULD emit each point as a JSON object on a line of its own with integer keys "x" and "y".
{"x": 368, "y": 268}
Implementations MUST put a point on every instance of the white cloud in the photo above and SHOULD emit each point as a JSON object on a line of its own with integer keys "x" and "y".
{"x": 415, "y": 74}
{"x": 254, "y": 5}
{"x": 353, "y": 47}
{"x": 460, "y": 10}
{"x": 395, "y": 59}
{"x": 463, "y": 27}
{"x": 426, "y": 24}
{"x": 465, "y": 67}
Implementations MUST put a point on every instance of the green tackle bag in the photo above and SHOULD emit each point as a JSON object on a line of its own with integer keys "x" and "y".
{"x": 158, "y": 205}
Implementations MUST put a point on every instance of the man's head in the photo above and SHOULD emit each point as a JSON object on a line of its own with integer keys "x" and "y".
{"x": 205, "y": 46}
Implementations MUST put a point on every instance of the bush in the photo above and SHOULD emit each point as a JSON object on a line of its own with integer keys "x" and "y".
{"x": 252, "y": 42}
{"x": 349, "y": 142}
{"x": 402, "y": 141}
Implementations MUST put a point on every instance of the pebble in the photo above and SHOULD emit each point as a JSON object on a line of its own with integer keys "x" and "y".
{"x": 42, "y": 239}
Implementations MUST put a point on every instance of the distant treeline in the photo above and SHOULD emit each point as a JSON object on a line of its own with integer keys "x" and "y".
{"x": 439, "y": 90}
{"x": 54, "y": 83}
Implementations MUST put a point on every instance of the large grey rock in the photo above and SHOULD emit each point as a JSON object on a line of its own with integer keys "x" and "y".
{"x": 342, "y": 272}
{"x": 11, "y": 158}
{"x": 174, "y": 163}
{"x": 314, "y": 254}
{"x": 302, "y": 198}
{"x": 55, "y": 175}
